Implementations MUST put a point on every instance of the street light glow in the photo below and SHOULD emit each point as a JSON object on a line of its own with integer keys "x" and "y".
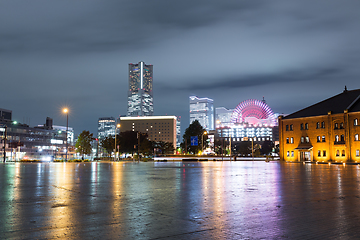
{"x": 65, "y": 110}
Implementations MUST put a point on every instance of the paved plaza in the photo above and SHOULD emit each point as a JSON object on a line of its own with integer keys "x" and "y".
{"x": 176, "y": 200}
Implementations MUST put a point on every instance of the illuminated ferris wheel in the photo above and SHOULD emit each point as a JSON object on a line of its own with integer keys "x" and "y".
{"x": 254, "y": 109}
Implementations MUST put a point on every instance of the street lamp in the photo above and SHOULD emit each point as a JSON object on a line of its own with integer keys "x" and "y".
{"x": 66, "y": 111}
{"x": 116, "y": 127}
{"x": 202, "y": 140}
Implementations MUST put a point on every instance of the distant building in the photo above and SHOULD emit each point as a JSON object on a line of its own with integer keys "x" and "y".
{"x": 5, "y": 114}
{"x": 158, "y": 128}
{"x": 324, "y": 132}
{"x": 222, "y": 116}
{"x": 106, "y": 127}
{"x": 178, "y": 131}
{"x": 202, "y": 109}
{"x": 140, "y": 92}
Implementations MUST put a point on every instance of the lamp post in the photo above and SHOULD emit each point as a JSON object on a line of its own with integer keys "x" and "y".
{"x": 5, "y": 136}
{"x": 66, "y": 111}
{"x": 116, "y": 127}
{"x": 202, "y": 141}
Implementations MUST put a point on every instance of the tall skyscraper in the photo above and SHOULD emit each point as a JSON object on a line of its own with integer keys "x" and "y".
{"x": 106, "y": 127}
{"x": 202, "y": 109}
{"x": 140, "y": 95}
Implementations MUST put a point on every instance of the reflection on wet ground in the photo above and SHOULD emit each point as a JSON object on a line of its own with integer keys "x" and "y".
{"x": 175, "y": 200}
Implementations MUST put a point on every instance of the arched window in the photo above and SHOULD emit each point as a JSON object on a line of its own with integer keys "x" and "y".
{"x": 302, "y": 139}
{"x": 342, "y": 138}
{"x": 318, "y": 139}
{"x": 307, "y": 139}
{"x": 336, "y": 138}
{"x": 357, "y": 153}
{"x": 306, "y": 126}
{"x": 343, "y": 153}
{"x": 287, "y": 140}
{"x": 323, "y": 138}
{"x": 319, "y": 153}
{"x": 322, "y": 124}
{"x": 317, "y": 125}
{"x": 336, "y": 126}
{"x": 356, "y": 137}
{"x": 337, "y": 153}
{"x": 287, "y": 127}
{"x": 302, "y": 126}
{"x": 292, "y": 140}
{"x": 291, "y": 127}
{"x": 341, "y": 125}
{"x": 356, "y": 122}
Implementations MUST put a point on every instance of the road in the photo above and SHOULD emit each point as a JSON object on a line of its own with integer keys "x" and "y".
{"x": 175, "y": 200}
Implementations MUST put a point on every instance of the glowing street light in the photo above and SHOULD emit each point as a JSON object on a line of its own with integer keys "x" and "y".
{"x": 66, "y": 111}
{"x": 116, "y": 127}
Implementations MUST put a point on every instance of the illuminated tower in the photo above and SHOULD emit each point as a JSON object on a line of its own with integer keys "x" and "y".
{"x": 202, "y": 109}
{"x": 140, "y": 95}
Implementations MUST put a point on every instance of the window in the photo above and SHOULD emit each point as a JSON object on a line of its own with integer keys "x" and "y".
{"x": 306, "y": 126}
{"x": 357, "y": 152}
{"x": 318, "y": 138}
{"x": 337, "y": 153}
{"x": 292, "y": 140}
{"x": 319, "y": 153}
{"x": 302, "y": 139}
{"x": 336, "y": 126}
{"x": 324, "y": 153}
{"x": 292, "y": 153}
{"x": 323, "y": 138}
{"x": 302, "y": 126}
{"x": 317, "y": 125}
{"x": 336, "y": 138}
{"x": 322, "y": 124}
{"x": 343, "y": 153}
{"x": 287, "y": 140}
{"x": 342, "y": 138}
{"x": 341, "y": 125}
{"x": 287, "y": 153}
{"x": 356, "y": 137}
{"x": 287, "y": 127}
{"x": 291, "y": 127}
{"x": 356, "y": 122}
{"x": 307, "y": 139}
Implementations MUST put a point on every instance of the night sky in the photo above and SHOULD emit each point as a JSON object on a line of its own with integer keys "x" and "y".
{"x": 76, "y": 54}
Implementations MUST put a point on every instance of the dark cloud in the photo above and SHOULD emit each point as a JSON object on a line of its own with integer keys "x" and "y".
{"x": 76, "y": 53}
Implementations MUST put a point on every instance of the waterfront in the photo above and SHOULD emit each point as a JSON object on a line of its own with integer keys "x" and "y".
{"x": 176, "y": 200}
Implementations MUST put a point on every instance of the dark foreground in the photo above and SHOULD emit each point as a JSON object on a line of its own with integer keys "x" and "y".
{"x": 208, "y": 200}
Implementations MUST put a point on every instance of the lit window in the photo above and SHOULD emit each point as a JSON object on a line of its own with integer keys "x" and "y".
{"x": 322, "y": 124}
{"x": 292, "y": 140}
{"x": 302, "y": 139}
{"x": 337, "y": 153}
{"x": 343, "y": 153}
{"x": 319, "y": 153}
{"x": 336, "y": 138}
{"x": 317, "y": 125}
{"x": 287, "y": 153}
{"x": 323, "y": 138}
{"x": 341, "y": 125}
{"x": 357, "y": 153}
{"x": 287, "y": 140}
{"x": 302, "y": 126}
{"x": 292, "y": 153}
{"x": 318, "y": 139}
{"x": 336, "y": 126}
{"x": 307, "y": 139}
{"x": 324, "y": 153}
{"x": 356, "y": 137}
{"x": 306, "y": 126}
{"x": 356, "y": 122}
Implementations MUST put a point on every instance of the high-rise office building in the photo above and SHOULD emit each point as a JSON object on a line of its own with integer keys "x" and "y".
{"x": 202, "y": 109}
{"x": 223, "y": 116}
{"x": 106, "y": 127}
{"x": 140, "y": 94}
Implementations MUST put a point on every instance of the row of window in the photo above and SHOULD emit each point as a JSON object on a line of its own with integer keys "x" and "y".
{"x": 338, "y": 138}
{"x": 322, "y": 153}
{"x": 319, "y": 125}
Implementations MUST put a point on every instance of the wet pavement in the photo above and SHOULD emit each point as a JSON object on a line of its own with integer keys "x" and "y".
{"x": 175, "y": 200}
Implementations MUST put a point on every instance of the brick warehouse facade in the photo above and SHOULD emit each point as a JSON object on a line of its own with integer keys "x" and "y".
{"x": 324, "y": 132}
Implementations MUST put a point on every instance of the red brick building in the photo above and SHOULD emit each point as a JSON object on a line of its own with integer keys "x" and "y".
{"x": 326, "y": 131}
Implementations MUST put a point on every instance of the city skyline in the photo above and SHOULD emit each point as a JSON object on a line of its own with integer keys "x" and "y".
{"x": 75, "y": 55}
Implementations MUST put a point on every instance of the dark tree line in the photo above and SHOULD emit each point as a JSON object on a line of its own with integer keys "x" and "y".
{"x": 130, "y": 141}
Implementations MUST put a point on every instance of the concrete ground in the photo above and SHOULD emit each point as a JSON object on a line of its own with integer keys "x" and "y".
{"x": 175, "y": 200}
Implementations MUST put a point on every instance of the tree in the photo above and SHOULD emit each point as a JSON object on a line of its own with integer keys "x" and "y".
{"x": 267, "y": 147}
{"x": 194, "y": 129}
{"x": 163, "y": 147}
{"x": 83, "y": 143}
{"x": 108, "y": 144}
